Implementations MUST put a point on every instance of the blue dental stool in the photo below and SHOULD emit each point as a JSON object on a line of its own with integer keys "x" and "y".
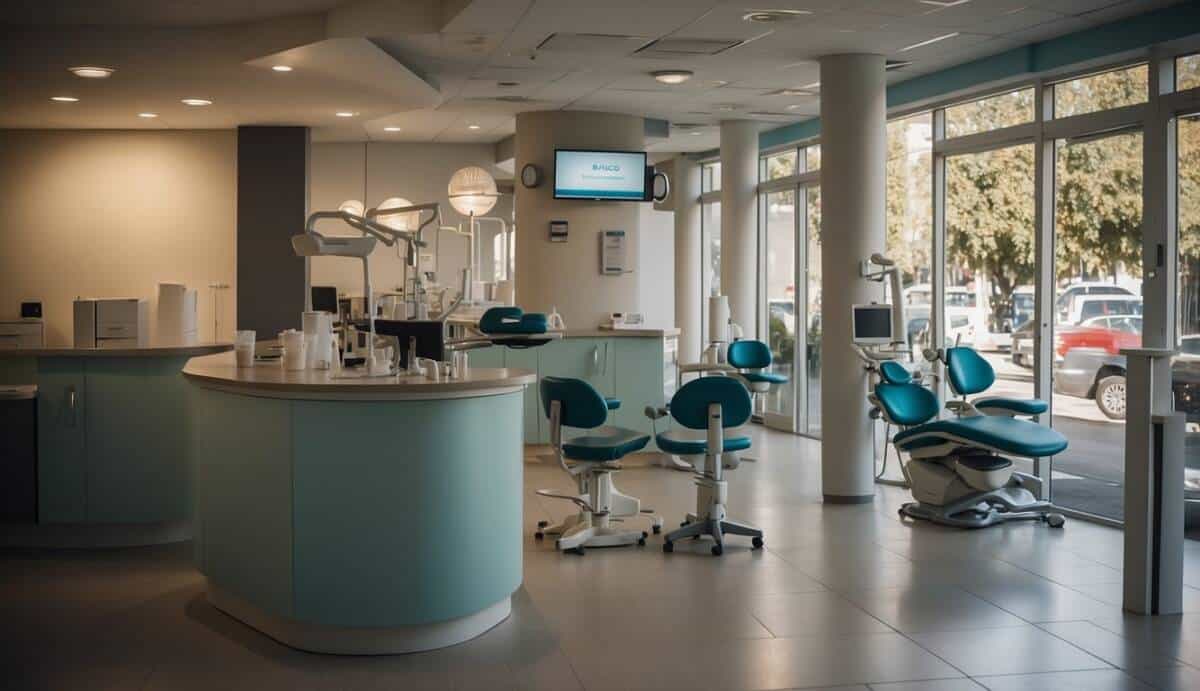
{"x": 591, "y": 459}
{"x": 752, "y": 358}
{"x": 713, "y": 404}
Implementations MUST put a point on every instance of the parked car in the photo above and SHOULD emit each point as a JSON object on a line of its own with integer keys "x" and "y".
{"x": 960, "y": 330}
{"x": 1090, "y": 306}
{"x": 1021, "y": 347}
{"x": 1109, "y": 334}
{"x": 1064, "y": 303}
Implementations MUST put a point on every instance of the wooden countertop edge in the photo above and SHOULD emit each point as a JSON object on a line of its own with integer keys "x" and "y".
{"x": 146, "y": 351}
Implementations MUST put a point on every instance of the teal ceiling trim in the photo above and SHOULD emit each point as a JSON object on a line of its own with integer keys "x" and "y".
{"x": 1159, "y": 26}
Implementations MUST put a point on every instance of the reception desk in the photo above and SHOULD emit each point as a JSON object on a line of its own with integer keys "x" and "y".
{"x": 111, "y": 445}
{"x": 358, "y": 516}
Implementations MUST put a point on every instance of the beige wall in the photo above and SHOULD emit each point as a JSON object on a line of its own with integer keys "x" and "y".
{"x": 419, "y": 173}
{"x": 112, "y": 213}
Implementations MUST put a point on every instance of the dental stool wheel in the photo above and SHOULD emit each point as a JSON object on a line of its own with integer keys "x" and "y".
{"x": 757, "y": 543}
{"x": 539, "y": 535}
{"x": 717, "y": 550}
{"x": 668, "y": 547}
{"x": 657, "y": 529}
{"x": 642, "y": 540}
{"x": 1055, "y": 520}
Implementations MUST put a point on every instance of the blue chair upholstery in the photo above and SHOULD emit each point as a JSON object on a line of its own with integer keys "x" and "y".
{"x": 748, "y": 355}
{"x": 612, "y": 403}
{"x": 768, "y": 377}
{"x": 511, "y": 320}
{"x": 907, "y": 404}
{"x": 1032, "y": 406}
{"x": 1003, "y": 434}
{"x": 695, "y": 447}
{"x": 969, "y": 372}
{"x": 893, "y": 372}
{"x": 610, "y": 446}
{"x": 689, "y": 405}
{"x": 582, "y": 407}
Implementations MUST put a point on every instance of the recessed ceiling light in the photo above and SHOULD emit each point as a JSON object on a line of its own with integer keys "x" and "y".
{"x": 794, "y": 106}
{"x": 944, "y": 3}
{"x": 195, "y": 102}
{"x": 793, "y": 92}
{"x": 64, "y": 99}
{"x": 726, "y": 107}
{"x": 92, "y": 72}
{"x": 933, "y": 40}
{"x": 282, "y": 68}
{"x": 472, "y": 127}
{"x": 814, "y": 85}
{"x": 147, "y": 115}
{"x": 769, "y": 16}
{"x": 391, "y": 129}
{"x": 695, "y": 133}
{"x": 672, "y": 76}
{"x": 345, "y": 114}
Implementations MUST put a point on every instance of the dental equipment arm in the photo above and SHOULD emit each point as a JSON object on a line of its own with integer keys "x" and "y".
{"x": 891, "y": 272}
{"x": 415, "y": 243}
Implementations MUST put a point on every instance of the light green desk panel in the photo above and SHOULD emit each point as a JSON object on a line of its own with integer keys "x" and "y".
{"x": 638, "y": 363}
{"x": 62, "y": 440}
{"x": 242, "y": 458}
{"x": 137, "y": 469}
{"x": 528, "y": 358}
{"x": 406, "y": 512}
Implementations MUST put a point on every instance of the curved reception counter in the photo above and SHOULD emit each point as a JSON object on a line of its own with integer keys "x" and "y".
{"x": 358, "y": 515}
{"x": 104, "y": 446}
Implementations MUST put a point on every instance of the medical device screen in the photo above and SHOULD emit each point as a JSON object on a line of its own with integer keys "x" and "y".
{"x": 601, "y": 175}
{"x": 873, "y": 324}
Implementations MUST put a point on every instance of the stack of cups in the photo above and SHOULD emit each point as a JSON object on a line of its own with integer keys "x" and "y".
{"x": 243, "y": 348}
{"x": 293, "y": 349}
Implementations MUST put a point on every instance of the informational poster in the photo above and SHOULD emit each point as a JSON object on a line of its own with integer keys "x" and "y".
{"x": 613, "y": 252}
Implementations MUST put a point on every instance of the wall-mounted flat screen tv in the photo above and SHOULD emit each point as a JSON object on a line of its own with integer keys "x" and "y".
{"x": 600, "y": 175}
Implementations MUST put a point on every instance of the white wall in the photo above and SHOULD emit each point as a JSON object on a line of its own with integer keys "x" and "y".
{"x": 656, "y": 262}
{"x": 112, "y": 213}
{"x": 419, "y": 173}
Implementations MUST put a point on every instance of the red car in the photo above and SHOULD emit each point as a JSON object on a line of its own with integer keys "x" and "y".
{"x": 1109, "y": 334}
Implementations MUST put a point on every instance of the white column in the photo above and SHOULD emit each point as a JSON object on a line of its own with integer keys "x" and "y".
{"x": 853, "y": 161}
{"x": 739, "y": 221}
{"x": 685, "y": 192}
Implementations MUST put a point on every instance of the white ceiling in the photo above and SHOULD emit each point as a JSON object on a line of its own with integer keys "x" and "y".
{"x": 434, "y": 67}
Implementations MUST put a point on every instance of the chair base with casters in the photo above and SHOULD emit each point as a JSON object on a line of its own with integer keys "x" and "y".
{"x": 593, "y": 459}
{"x": 712, "y": 404}
{"x": 945, "y": 496}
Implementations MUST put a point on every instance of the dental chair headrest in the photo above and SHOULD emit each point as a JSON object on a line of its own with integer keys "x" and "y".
{"x": 968, "y": 372}
{"x": 511, "y": 320}
{"x": 893, "y": 372}
{"x": 749, "y": 354}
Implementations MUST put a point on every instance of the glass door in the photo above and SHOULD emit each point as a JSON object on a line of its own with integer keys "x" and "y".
{"x": 812, "y": 308}
{"x": 780, "y": 410}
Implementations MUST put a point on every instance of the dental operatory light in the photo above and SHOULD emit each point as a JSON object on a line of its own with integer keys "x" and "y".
{"x": 195, "y": 102}
{"x": 472, "y": 191}
{"x": 405, "y": 221}
{"x": 672, "y": 76}
{"x": 353, "y": 206}
{"x": 282, "y": 68}
{"x": 64, "y": 99}
{"x": 92, "y": 72}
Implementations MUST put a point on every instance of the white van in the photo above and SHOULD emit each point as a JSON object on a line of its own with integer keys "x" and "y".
{"x": 1085, "y": 307}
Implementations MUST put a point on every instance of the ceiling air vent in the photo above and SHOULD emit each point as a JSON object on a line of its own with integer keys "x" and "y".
{"x": 685, "y": 47}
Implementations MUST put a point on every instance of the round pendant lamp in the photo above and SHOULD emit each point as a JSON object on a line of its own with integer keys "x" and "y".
{"x": 472, "y": 191}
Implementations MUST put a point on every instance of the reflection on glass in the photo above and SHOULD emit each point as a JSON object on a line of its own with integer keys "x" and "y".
{"x": 1187, "y": 72}
{"x": 910, "y": 216}
{"x": 779, "y": 165}
{"x": 812, "y": 158}
{"x": 1185, "y": 368}
{"x": 1098, "y": 307}
{"x": 710, "y": 177}
{"x": 781, "y": 295}
{"x": 710, "y": 261}
{"x": 1102, "y": 91}
{"x": 813, "y": 308}
{"x": 992, "y": 113}
{"x": 989, "y": 266}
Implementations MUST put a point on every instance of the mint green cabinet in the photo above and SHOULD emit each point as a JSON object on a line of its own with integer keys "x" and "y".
{"x": 589, "y": 359}
{"x": 639, "y": 364}
{"x": 62, "y": 440}
{"x": 528, "y": 358}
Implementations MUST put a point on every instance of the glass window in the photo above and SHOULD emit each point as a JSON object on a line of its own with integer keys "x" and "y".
{"x": 992, "y": 113}
{"x": 781, "y": 296}
{"x": 1185, "y": 368}
{"x": 1098, "y": 264}
{"x": 1187, "y": 72}
{"x": 710, "y": 177}
{"x": 710, "y": 261}
{"x": 779, "y": 165}
{"x": 812, "y": 312}
{"x": 910, "y": 217}
{"x": 812, "y": 158}
{"x": 1124, "y": 87}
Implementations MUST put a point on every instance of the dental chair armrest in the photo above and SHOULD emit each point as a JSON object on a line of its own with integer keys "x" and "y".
{"x": 962, "y": 408}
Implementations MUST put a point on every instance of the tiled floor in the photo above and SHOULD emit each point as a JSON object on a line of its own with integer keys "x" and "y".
{"x": 842, "y": 597}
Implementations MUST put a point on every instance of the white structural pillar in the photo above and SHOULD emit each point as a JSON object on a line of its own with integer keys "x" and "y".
{"x": 853, "y": 161}
{"x": 739, "y": 221}
{"x": 685, "y": 189}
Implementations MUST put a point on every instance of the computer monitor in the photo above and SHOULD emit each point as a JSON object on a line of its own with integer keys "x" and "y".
{"x": 872, "y": 324}
{"x": 324, "y": 299}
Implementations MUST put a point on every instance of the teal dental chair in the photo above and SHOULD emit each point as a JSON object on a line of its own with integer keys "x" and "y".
{"x": 591, "y": 459}
{"x": 968, "y": 374}
{"x": 513, "y": 328}
{"x": 713, "y": 404}
{"x": 752, "y": 358}
{"x": 955, "y": 470}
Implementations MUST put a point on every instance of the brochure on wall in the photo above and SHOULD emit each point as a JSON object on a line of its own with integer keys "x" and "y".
{"x": 612, "y": 252}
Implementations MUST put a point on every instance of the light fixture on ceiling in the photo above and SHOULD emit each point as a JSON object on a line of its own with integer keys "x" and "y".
{"x": 931, "y": 41}
{"x": 147, "y": 115}
{"x": 508, "y": 85}
{"x": 195, "y": 102}
{"x": 726, "y": 107}
{"x": 814, "y": 86}
{"x": 391, "y": 128}
{"x": 794, "y": 91}
{"x": 282, "y": 68}
{"x": 890, "y": 65}
{"x": 64, "y": 99}
{"x": 472, "y": 127}
{"x": 672, "y": 76}
{"x": 91, "y": 72}
{"x": 695, "y": 133}
{"x": 345, "y": 113}
{"x": 472, "y": 191}
{"x": 944, "y": 3}
{"x": 773, "y": 16}
{"x": 794, "y": 106}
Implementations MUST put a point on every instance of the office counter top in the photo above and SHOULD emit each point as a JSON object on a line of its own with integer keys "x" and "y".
{"x": 140, "y": 351}
{"x": 621, "y": 333}
{"x": 270, "y": 380}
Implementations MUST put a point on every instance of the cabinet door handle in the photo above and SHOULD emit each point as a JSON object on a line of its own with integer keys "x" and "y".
{"x": 72, "y": 399}
{"x": 595, "y": 358}
{"x": 605, "y": 370}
